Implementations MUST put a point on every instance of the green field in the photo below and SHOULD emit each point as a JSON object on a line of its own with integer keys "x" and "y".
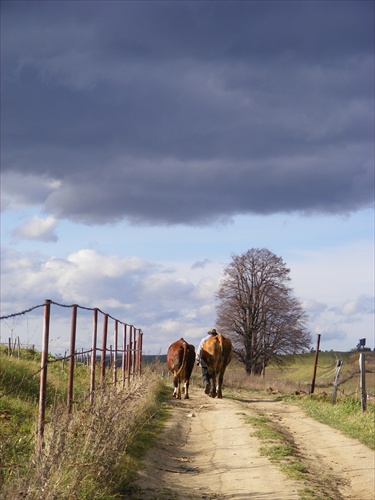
{"x": 297, "y": 372}
{"x": 86, "y": 441}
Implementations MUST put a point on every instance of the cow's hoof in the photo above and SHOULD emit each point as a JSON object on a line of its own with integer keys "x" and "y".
{"x": 207, "y": 388}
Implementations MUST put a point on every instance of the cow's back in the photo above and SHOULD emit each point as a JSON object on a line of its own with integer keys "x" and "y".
{"x": 175, "y": 356}
{"x": 226, "y": 349}
{"x": 190, "y": 359}
{"x": 180, "y": 361}
{"x": 217, "y": 352}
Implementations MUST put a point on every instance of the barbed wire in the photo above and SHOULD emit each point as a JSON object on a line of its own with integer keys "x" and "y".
{"x": 21, "y": 313}
{"x": 68, "y": 357}
{"x": 90, "y": 309}
{"x": 78, "y": 352}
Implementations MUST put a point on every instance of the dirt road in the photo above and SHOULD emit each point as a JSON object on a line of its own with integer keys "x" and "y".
{"x": 208, "y": 451}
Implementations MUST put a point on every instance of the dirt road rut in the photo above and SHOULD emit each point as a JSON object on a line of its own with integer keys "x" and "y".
{"x": 208, "y": 451}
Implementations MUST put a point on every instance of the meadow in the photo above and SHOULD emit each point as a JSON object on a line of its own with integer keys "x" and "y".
{"x": 96, "y": 451}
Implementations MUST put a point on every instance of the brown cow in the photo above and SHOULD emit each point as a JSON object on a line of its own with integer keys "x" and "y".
{"x": 216, "y": 354}
{"x": 180, "y": 361}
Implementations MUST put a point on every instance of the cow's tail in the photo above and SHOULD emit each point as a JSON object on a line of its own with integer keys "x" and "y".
{"x": 183, "y": 359}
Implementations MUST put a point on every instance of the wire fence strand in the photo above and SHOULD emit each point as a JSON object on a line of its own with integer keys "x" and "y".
{"x": 21, "y": 313}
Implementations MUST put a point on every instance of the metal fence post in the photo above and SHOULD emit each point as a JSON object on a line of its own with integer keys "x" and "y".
{"x": 135, "y": 353}
{"x": 129, "y": 350}
{"x": 93, "y": 354}
{"x": 140, "y": 343}
{"x": 73, "y": 331}
{"x": 115, "y": 341}
{"x": 123, "y": 362}
{"x": 43, "y": 378}
{"x": 134, "y": 357}
{"x": 104, "y": 351}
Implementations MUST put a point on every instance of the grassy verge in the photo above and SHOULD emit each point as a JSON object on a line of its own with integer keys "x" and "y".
{"x": 345, "y": 415}
{"x": 290, "y": 384}
{"x": 93, "y": 453}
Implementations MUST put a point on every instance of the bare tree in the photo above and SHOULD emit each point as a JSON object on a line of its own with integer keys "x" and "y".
{"x": 258, "y": 311}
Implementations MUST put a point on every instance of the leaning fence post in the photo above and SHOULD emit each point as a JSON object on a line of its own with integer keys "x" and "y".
{"x": 104, "y": 351}
{"x": 336, "y": 381}
{"x": 363, "y": 382}
{"x": 43, "y": 378}
{"x": 315, "y": 365}
{"x": 93, "y": 354}
{"x": 72, "y": 357}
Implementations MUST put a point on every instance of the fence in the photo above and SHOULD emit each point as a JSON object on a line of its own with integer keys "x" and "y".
{"x": 131, "y": 355}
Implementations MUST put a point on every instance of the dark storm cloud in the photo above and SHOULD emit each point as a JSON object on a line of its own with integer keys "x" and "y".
{"x": 189, "y": 112}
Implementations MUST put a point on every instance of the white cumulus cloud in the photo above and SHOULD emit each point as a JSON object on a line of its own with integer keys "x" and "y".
{"x": 37, "y": 228}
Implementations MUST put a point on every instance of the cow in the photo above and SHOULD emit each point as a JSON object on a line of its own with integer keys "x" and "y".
{"x": 216, "y": 354}
{"x": 180, "y": 362}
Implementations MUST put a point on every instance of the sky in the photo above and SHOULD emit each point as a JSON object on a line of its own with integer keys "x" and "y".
{"x": 143, "y": 144}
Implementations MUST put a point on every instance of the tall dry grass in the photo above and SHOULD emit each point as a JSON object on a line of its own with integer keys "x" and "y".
{"x": 91, "y": 453}
{"x": 268, "y": 384}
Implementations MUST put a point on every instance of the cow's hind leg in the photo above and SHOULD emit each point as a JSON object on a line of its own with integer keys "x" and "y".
{"x": 177, "y": 388}
{"x": 186, "y": 389}
{"x": 219, "y": 385}
{"x": 176, "y": 392}
{"x": 213, "y": 387}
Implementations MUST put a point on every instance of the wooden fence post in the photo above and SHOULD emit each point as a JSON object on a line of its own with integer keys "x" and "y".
{"x": 363, "y": 382}
{"x": 336, "y": 381}
{"x": 315, "y": 365}
{"x": 43, "y": 378}
{"x": 93, "y": 354}
{"x": 73, "y": 331}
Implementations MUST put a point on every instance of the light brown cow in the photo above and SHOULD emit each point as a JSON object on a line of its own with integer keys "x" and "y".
{"x": 216, "y": 354}
{"x": 180, "y": 361}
